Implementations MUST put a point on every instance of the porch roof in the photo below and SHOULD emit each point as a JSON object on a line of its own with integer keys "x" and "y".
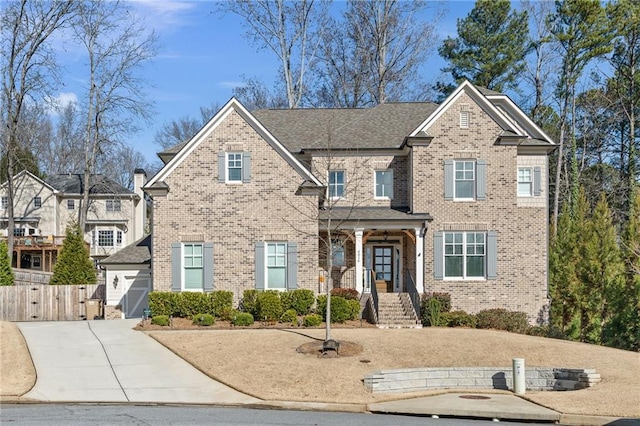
{"x": 137, "y": 253}
{"x": 374, "y": 217}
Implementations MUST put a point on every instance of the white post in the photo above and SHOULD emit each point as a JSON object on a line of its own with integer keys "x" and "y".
{"x": 518, "y": 376}
{"x": 419, "y": 260}
{"x": 359, "y": 261}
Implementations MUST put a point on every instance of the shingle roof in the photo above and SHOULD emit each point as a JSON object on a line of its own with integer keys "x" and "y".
{"x": 372, "y": 214}
{"x": 137, "y": 253}
{"x": 383, "y": 126}
{"x": 73, "y": 184}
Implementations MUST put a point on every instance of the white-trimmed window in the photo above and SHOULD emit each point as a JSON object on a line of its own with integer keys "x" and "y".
{"x": 71, "y": 204}
{"x": 193, "y": 266}
{"x": 336, "y": 183}
{"x": 384, "y": 184}
{"x": 465, "y": 179}
{"x": 5, "y": 202}
{"x": 37, "y": 202}
{"x": 114, "y": 205}
{"x": 18, "y": 232}
{"x": 464, "y": 255}
{"x": 234, "y": 167}
{"x": 105, "y": 238}
{"x": 276, "y": 266}
{"x": 525, "y": 182}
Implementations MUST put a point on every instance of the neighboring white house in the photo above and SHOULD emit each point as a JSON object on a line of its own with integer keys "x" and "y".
{"x": 44, "y": 208}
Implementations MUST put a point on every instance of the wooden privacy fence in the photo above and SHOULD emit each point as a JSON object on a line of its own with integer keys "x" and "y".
{"x": 28, "y": 277}
{"x": 40, "y": 302}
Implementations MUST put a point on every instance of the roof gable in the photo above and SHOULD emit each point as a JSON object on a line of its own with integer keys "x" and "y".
{"x": 519, "y": 117}
{"x": 232, "y": 105}
{"x": 466, "y": 87}
{"x": 73, "y": 184}
{"x": 25, "y": 174}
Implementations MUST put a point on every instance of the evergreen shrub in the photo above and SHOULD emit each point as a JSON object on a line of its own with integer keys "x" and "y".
{"x": 312, "y": 320}
{"x": 162, "y": 320}
{"x": 269, "y": 306}
{"x": 242, "y": 319}
{"x": 204, "y": 319}
{"x": 290, "y": 316}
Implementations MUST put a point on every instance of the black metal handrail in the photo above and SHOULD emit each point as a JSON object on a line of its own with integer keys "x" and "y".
{"x": 374, "y": 294}
{"x": 413, "y": 293}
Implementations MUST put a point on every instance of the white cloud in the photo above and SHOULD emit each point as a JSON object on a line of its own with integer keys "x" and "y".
{"x": 230, "y": 84}
{"x": 60, "y": 102}
{"x": 163, "y": 14}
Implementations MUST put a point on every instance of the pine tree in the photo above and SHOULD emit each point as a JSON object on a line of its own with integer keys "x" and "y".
{"x": 563, "y": 282}
{"x": 6, "y": 273}
{"x": 623, "y": 331}
{"x": 490, "y": 48}
{"x": 73, "y": 265}
{"x": 601, "y": 272}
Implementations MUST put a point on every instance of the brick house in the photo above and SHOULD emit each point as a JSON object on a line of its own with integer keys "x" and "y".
{"x": 44, "y": 207}
{"x": 411, "y": 197}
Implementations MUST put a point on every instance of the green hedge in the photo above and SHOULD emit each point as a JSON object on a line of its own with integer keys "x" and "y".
{"x": 249, "y": 302}
{"x": 162, "y": 320}
{"x": 204, "y": 319}
{"x": 341, "y": 308}
{"x": 459, "y": 319}
{"x": 242, "y": 319}
{"x": 501, "y": 319}
{"x": 187, "y": 304}
{"x": 312, "y": 320}
{"x": 290, "y": 316}
{"x": 269, "y": 306}
{"x": 301, "y": 300}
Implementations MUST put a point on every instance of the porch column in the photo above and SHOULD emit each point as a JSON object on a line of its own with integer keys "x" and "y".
{"x": 359, "y": 261}
{"x": 419, "y": 260}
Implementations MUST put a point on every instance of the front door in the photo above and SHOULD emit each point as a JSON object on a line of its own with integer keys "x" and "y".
{"x": 383, "y": 267}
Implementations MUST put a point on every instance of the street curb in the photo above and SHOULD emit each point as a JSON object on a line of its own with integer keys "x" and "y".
{"x": 589, "y": 420}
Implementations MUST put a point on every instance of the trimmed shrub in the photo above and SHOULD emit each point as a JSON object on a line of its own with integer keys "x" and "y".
{"x": 242, "y": 319}
{"x": 204, "y": 319}
{"x": 226, "y": 313}
{"x": 501, "y": 319}
{"x": 249, "y": 302}
{"x": 290, "y": 316}
{"x": 285, "y": 300}
{"x": 162, "y": 320}
{"x": 302, "y": 300}
{"x": 269, "y": 306}
{"x": 191, "y": 303}
{"x": 163, "y": 303}
{"x": 312, "y": 320}
{"x": 341, "y": 308}
{"x": 347, "y": 293}
{"x": 459, "y": 319}
{"x": 221, "y": 302}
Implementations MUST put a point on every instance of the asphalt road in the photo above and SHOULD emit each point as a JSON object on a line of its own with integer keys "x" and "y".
{"x": 80, "y": 414}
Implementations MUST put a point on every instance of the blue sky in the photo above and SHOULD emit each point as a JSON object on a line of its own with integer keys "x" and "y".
{"x": 202, "y": 57}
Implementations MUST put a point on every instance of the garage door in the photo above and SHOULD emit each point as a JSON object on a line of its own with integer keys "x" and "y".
{"x": 137, "y": 297}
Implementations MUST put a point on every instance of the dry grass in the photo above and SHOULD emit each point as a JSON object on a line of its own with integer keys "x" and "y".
{"x": 265, "y": 363}
{"x": 17, "y": 373}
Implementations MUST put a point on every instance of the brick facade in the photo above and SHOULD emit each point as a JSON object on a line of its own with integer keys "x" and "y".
{"x": 522, "y": 238}
{"x": 234, "y": 216}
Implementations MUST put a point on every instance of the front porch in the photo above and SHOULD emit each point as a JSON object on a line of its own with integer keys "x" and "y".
{"x": 374, "y": 251}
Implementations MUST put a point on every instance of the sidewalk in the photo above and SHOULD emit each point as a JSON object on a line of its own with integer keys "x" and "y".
{"x": 108, "y": 361}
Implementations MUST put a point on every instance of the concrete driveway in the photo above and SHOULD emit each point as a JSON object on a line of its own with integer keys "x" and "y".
{"x": 107, "y": 361}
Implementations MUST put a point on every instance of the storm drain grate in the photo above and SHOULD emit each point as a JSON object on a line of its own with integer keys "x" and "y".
{"x": 474, "y": 397}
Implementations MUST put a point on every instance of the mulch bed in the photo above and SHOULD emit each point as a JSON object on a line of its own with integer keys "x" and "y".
{"x": 187, "y": 324}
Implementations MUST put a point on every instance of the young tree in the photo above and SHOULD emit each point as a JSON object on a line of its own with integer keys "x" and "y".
{"x": 563, "y": 279}
{"x": 27, "y": 65}
{"x": 6, "y": 273}
{"x": 117, "y": 47}
{"x": 73, "y": 266}
{"x": 623, "y": 331}
{"x": 490, "y": 48}
{"x": 288, "y": 29}
{"x": 600, "y": 268}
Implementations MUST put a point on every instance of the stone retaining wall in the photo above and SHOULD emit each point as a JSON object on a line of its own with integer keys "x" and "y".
{"x": 536, "y": 378}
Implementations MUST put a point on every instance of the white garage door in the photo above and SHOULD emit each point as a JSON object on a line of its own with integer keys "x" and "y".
{"x": 137, "y": 297}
